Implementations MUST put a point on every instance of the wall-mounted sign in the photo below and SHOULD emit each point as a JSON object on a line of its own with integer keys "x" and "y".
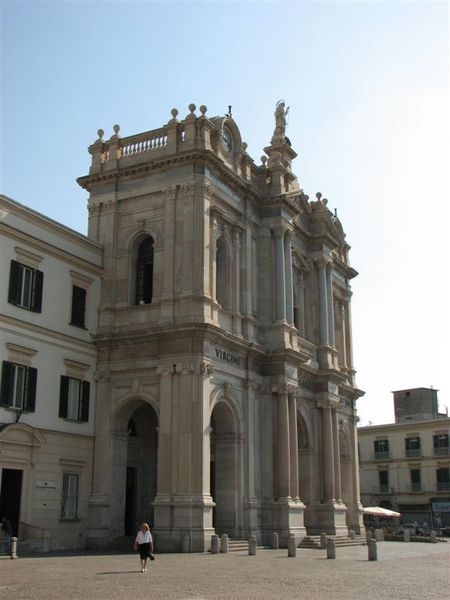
{"x": 228, "y": 357}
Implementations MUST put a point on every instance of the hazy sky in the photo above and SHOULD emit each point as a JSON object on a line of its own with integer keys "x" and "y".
{"x": 367, "y": 84}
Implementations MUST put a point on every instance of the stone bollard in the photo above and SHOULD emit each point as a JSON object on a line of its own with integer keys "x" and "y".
{"x": 13, "y": 547}
{"x": 406, "y": 536}
{"x": 252, "y": 545}
{"x": 186, "y": 543}
{"x": 323, "y": 541}
{"x": 224, "y": 543}
{"x": 352, "y": 534}
{"x": 292, "y": 546}
{"x": 275, "y": 541}
{"x": 433, "y": 537}
{"x": 214, "y": 544}
{"x": 377, "y": 535}
{"x": 372, "y": 548}
{"x": 331, "y": 548}
{"x": 381, "y": 535}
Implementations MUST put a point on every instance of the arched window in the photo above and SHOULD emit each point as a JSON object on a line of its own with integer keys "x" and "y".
{"x": 144, "y": 272}
{"x": 222, "y": 274}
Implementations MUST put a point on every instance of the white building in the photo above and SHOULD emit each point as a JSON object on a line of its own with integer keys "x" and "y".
{"x": 51, "y": 279}
{"x": 406, "y": 465}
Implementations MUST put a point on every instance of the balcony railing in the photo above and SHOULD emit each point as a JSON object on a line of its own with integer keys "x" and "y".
{"x": 442, "y": 451}
{"x": 416, "y": 487}
{"x": 412, "y": 452}
{"x": 384, "y": 488}
{"x": 382, "y": 454}
{"x": 443, "y": 486}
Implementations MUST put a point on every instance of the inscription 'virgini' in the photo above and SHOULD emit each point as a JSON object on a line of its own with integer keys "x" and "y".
{"x": 228, "y": 357}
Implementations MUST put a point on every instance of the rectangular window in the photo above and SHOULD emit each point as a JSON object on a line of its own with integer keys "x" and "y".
{"x": 78, "y": 306}
{"x": 443, "y": 479}
{"x": 412, "y": 446}
{"x": 416, "y": 483}
{"x": 69, "y": 503}
{"x": 74, "y": 399}
{"x": 383, "y": 478}
{"x": 18, "y": 387}
{"x": 440, "y": 444}
{"x": 25, "y": 286}
{"x": 381, "y": 449}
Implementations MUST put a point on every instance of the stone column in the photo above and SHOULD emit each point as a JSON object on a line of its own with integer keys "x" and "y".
{"x": 327, "y": 452}
{"x": 330, "y": 307}
{"x": 237, "y": 270}
{"x": 292, "y": 401}
{"x": 289, "y": 279}
{"x": 323, "y": 302}
{"x": 283, "y": 450}
{"x": 302, "y": 305}
{"x": 337, "y": 457}
{"x": 216, "y": 233}
{"x": 343, "y": 334}
{"x": 358, "y": 518}
{"x": 280, "y": 283}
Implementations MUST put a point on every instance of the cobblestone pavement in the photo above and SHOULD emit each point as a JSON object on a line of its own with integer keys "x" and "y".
{"x": 404, "y": 571}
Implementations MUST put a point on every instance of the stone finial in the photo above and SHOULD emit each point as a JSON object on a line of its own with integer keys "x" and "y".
{"x": 264, "y": 160}
{"x": 244, "y": 146}
{"x": 191, "y": 108}
{"x": 324, "y": 201}
{"x": 100, "y": 134}
{"x": 174, "y": 113}
{"x": 203, "y": 109}
{"x": 116, "y": 129}
{"x": 318, "y": 195}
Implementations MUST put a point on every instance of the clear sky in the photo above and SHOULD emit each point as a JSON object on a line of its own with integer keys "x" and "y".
{"x": 367, "y": 83}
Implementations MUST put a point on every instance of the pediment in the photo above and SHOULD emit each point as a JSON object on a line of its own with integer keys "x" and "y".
{"x": 21, "y": 434}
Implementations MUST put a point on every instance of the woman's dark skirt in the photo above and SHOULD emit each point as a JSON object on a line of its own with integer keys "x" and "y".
{"x": 144, "y": 550}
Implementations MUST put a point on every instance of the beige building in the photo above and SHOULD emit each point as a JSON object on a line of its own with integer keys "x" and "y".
{"x": 48, "y": 306}
{"x": 406, "y": 465}
{"x": 225, "y": 391}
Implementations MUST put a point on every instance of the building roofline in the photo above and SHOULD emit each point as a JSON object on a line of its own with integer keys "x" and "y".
{"x": 17, "y": 207}
{"x": 414, "y": 389}
{"x": 405, "y": 424}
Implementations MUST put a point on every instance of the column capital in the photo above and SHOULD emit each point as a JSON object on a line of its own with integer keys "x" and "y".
{"x": 323, "y": 262}
{"x": 328, "y": 403}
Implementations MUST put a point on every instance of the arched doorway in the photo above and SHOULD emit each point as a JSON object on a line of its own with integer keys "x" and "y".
{"x": 224, "y": 470}
{"x": 134, "y": 475}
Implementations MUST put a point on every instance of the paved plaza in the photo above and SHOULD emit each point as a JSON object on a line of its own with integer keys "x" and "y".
{"x": 404, "y": 571}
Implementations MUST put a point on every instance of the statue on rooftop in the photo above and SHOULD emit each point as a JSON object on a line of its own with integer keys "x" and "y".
{"x": 280, "y": 122}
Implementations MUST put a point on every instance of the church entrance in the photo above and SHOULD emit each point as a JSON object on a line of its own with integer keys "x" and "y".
{"x": 140, "y": 468}
{"x": 224, "y": 470}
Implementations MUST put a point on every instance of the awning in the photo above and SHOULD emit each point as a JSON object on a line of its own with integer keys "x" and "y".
{"x": 377, "y": 511}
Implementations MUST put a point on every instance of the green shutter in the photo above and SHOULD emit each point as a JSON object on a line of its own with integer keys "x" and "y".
{"x": 30, "y": 392}
{"x": 14, "y": 283}
{"x": 63, "y": 396}
{"x": 38, "y": 281}
{"x": 78, "y": 306}
{"x": 6, "y": 392}
{"x": 84, "y": 414}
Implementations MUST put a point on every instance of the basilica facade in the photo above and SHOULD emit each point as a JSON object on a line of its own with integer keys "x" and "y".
{"x": 225, "y": 393}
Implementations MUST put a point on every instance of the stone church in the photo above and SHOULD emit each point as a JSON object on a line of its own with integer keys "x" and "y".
{"x": 225, "y": 381}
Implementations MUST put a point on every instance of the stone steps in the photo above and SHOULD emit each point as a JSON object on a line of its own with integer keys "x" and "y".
{"x": 313, "y": 541}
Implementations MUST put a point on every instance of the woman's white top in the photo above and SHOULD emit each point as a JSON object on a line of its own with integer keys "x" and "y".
{"x": 144, "y": 538}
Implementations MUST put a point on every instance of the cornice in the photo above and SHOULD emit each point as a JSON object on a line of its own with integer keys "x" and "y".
{"x": 51, "y": 250}
{"x": 44, "y": 333}
{"x": 197, "y": 156}
{"x": 35, "y": 217}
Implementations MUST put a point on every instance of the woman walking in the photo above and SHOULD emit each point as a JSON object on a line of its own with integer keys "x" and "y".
{"x": 144, "y": 543}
